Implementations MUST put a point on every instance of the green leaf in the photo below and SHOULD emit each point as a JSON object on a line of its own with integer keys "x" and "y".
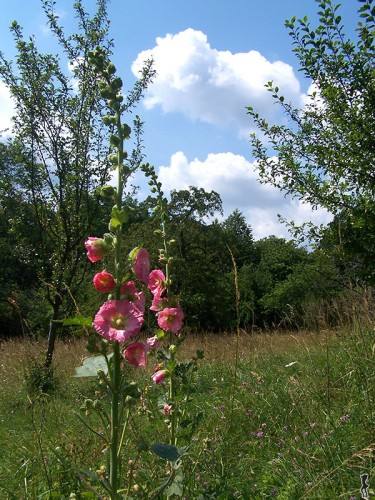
{"x": 121, "y": 215}
{"x": 167, "y": 451}
{"x": 174, "y": 489}
{"x": 76, "y": 321}
{"x": 90, "y": 366}
{"x": 114, "y": 224}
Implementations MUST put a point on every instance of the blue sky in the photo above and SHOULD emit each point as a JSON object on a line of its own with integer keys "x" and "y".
{"x": 212, "y": 58}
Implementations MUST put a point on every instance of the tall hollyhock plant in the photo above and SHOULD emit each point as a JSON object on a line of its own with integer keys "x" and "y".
{"x": 119, "y": 320}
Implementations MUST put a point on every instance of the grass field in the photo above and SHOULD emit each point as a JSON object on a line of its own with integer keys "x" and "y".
{"x": 293, "y": 418}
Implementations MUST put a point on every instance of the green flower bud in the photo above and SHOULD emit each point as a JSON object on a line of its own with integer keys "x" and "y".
{"x": 108, "y": 119}
{"x": 107, "y": 94}
{"x": 107, "y": 192}
{"x": 173, "y": 348}
{"x": 112, "y": 158}
{"x": 116, "y": 83}
{"x": 125, "y": 131}
{"x": 111, "y": 69}
{"x": 114, "y": 104}
{"x": 108, "y": 238}
{"x": 114, "y": 140}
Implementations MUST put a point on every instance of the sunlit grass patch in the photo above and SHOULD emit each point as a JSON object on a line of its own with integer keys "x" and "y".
{"x": 294, "y": 421}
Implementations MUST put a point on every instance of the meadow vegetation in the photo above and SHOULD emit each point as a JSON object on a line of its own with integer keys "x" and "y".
{"x": 295, "y": 420}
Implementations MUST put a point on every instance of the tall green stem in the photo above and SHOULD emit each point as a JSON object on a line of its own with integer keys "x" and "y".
{"x": 116, "y": 367}
{"x": 115, "y": 424}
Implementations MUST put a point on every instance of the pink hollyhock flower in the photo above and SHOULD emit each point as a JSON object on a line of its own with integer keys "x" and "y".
{"x": 153, "y": 343}
{"x": 158, "y": 303}
{"x": 96, "y": 248}
{"x": 141, "y": 266}
{"x": 140, "y": 301}
{"x": 104, "y": 282}
{"x": 129, "y": 292}
{"x": 159, "y": 376}
{"x": 156, "y": 282}
{"x": 170, "y": 319}
{"x": 118, "y": 320}
{"x": 135, "y": 353}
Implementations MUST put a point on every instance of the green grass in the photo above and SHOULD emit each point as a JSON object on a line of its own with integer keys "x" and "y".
{"x": 295, "y": 421}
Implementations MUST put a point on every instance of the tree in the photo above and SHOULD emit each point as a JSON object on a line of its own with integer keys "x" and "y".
{"x": 239, "y": 237}
{"x": 61, "y": 149}
{"x": 325, "y": 155}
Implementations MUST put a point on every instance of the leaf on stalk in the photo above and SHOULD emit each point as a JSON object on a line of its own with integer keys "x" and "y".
{"x": 76, "y": 321}
{"x": 167, "y": 451}
{"x": 90, "y": 366}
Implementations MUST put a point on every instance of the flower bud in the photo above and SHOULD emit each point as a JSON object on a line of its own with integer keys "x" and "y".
{"x": 104, "y": 282}
{"x": 97, "y": 248}
{"x": 112, "y": 158}
{"x": 125, "y": 130}
{"x": 111, "y": 69}
{"x": 116, "y": 83}
{"x": 107, "y": 192}
{"x": 114, "y": 140}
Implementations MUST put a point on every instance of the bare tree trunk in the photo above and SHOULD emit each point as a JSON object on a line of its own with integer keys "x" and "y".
{"x": 52, "y": 334}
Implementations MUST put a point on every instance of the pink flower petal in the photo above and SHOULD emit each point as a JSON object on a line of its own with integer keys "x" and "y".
{"x": 118, "y": 320}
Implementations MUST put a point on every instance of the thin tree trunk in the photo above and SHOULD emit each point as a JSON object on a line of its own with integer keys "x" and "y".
{"x": 52, "y": 334}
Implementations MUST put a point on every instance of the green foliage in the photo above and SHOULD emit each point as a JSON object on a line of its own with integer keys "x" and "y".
{"x": 40, "y": 379}
{"x": 325, "y": 154}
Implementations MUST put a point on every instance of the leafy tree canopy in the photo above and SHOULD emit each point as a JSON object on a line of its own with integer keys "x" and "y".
{"x": 325, "y": 154}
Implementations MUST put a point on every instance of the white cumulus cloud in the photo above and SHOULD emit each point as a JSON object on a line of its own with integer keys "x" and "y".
{"x": 211, "y": 85}
{"x": 236, "y": 180}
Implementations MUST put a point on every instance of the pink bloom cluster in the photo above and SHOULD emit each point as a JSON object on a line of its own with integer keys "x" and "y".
{"x": 169, "y": 318}
{"x": 121, "y": 320}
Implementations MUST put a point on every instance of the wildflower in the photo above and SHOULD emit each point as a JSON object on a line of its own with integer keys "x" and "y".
{"x": 158, "y": 302}
{"x": 135, "y": 353}
{"x": 153, "y": 343}
{"x": 159, "y": 376}
{"x": 220, "y": 407}
{"x": 170, "y": 319}
{"x": 104, "y": 282}
{"x": 260, "y": 434}
{"x": 118, "y": 320}
{"x": 312, "y": 425}
{"x": 156, "y": 282}
{"x": 344, "y": 418}
{"x": 263, "y": 426}
{"x": 141, "y": 266}
{"x": 128, "y": 291}
{"x": 167, "y": 409}
{"x": 97, "y": 248}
